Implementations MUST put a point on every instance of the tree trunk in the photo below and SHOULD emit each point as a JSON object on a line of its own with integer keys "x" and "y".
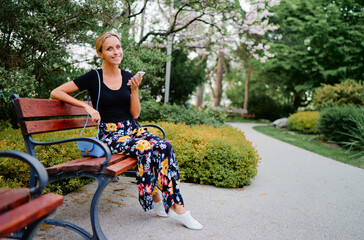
{"x": 246, "y": 97}
{"x": 199, "y": 100}
{"x": 219, "y": 74}
{"x": 142, "y": 23}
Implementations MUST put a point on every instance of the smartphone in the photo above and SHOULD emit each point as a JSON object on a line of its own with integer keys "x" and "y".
{"x": 140, "y": 73}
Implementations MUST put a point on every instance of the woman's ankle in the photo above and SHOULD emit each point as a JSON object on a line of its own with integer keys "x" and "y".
{"x": 177, "y": 208}
{"x": 157, "y": 197}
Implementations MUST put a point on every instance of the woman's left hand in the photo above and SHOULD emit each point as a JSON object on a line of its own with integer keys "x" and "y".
{"x": 135, "y": 82}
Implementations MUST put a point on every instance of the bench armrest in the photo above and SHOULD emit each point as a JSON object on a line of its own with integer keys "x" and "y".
{"x": 36, "y": 165}
{"x": 87, "y": 139}
{"x": 155, "y": 126}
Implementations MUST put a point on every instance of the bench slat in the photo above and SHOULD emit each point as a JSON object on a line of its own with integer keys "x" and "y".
{"x": 32, "y": 107}
{"x": 11, "y": 198}
{"x": 28, "y": 213}
{"x": 86, "y": 164}
{"x": 120, "y": 167}
{"x": 42, "y": 126}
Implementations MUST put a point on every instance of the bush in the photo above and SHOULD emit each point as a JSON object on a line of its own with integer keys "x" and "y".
{"x": 264, "y": 107}
{"x": 349, "y": 92}
{"x": 157, "y": 112}
{"x": 14, "y": 173}
{"x": 305, "y": 122}
{"x": 343, "y": 125}
{"x": 219, "y": 156}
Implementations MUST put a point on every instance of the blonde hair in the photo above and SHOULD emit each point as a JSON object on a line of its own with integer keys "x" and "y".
{"x": 101, "y": 39}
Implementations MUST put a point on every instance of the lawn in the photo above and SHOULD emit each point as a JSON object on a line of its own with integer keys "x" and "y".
{"x": 314, "y": 143}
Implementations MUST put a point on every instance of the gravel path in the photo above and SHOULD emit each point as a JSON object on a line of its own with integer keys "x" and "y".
{"x": 296, "y": 195}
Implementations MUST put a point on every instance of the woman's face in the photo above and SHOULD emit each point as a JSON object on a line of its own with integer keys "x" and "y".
{"x": 112, "y": 53}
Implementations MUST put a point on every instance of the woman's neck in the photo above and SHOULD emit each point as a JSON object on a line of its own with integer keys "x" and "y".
{"x": 111, "y": 69}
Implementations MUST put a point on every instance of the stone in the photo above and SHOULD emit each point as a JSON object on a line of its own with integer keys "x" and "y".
{"x": 280, "y": 123}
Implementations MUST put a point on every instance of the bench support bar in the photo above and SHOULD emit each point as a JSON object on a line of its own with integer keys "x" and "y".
{"x": 102, "y": 180}
{"x": 70, "y": 226}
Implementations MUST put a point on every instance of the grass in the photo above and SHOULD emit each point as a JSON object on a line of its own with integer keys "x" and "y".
{"x": 314, "y": 143}
{"x": 241, "y": 119}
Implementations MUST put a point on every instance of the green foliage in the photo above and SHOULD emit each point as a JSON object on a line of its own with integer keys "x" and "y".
{"x": 235, "y": 88}
{"x": 157, "y": 112}
{"x": 348, "y": 92}
{"x": 305, "y": 122}
{"x": 343, "y": 125}
{"x": 218, "y": 156}
{"x": 356, "y": 133}
{"x": 208, "y": 155}
{"x": 318, "y": 42}
{"x": 150, "y": 60}
{"x": 33, "y": 44}
{"x": 186, "y": 75}
{"x": 264, "y": 107}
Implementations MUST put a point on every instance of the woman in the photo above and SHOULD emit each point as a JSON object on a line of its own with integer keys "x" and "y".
{"x": 119, "y": 106}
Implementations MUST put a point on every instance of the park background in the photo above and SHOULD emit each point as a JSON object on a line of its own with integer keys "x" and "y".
{"x": 300, "y": 60}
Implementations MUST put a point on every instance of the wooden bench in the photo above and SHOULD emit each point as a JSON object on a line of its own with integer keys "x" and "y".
{"x": 45, "y": 115}
{"x": 23, "y": 209}
{"x": 237, "y": 112}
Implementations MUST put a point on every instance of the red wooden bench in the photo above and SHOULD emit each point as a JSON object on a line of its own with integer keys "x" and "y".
{"x": 237, "y": 112}
{"x": 23, "y": 209}
{"x": 44, "y": 115}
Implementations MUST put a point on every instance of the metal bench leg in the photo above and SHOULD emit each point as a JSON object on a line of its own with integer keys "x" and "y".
{"x": 102, "y": 181}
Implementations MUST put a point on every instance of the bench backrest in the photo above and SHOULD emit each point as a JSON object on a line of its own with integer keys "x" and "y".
{"x": 45, "y": 115}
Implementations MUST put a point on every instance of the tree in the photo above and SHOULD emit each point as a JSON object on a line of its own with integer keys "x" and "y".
{"x": 209, "y": 27}
{"x": 317, "y": 42}
{"x": 186, "y": 76}
{"x": 34, "y": 36}
{"x": 39, "y": 42}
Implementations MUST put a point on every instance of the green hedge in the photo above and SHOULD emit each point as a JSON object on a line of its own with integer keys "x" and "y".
{"x": 218, "y": 156}
{"x": 343, "y": 125}
{"x": 305, "y": 122}
{"x": 348, "y": 92}
{"x": 157, "y": 112}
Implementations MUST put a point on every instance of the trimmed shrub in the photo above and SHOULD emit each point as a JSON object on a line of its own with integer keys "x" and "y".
{"x": 305, "y": 122}
{"x": 343, "y": 125}
{"x": 349, "y": 92}
{"x": 157, "y": 112}
{"x": 218, "y": 156}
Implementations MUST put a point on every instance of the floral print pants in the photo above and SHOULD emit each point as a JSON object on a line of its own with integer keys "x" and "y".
{"x": 156, "y": 166}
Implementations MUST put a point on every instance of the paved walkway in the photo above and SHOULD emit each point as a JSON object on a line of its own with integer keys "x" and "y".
{"x": 296, "y": 195}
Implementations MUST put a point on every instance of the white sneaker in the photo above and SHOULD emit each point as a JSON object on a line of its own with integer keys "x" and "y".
{"x": 186, "y": 219}
{"x": 159, "y": 209}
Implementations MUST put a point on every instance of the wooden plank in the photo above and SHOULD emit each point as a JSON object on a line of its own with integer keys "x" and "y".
{"x": 42, "y": 126}
{"x": 29, "y": 212}
{"x": 33, "y": 107}
{"x": 2, "y": 190}
{"x": 86, "y": 164}
{"x": 11, "y": 198}
{"x": 120, "y": 167}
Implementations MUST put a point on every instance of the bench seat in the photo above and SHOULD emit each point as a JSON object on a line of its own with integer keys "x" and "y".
{"x": 23, "y": 209}
{"x": 117, "y": 163}
{"x": 18, "y": 210}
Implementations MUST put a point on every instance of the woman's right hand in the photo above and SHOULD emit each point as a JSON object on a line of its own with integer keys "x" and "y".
{"x": 95, "y": 115}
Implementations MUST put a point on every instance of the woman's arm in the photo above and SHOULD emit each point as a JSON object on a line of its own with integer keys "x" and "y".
{"x": 134, "y": 98}
{"x": 63, "y": 93}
